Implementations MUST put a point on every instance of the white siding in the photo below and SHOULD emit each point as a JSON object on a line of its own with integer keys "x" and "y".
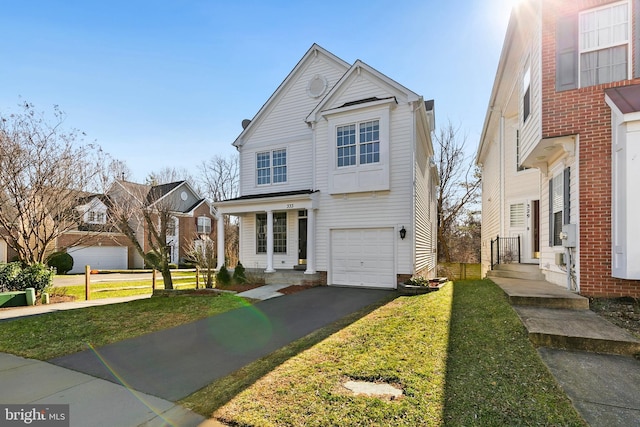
{"x": 251, "y": 259}
{"x": 426, "y": 216}
{"x": 283, "y": 126}
{"x": 491, "y": 202}
{"x": 532, "y": 129}
{"x": 370, "y": 209}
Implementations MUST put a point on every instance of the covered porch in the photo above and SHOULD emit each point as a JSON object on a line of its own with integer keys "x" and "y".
{"x": 265, "y": 239}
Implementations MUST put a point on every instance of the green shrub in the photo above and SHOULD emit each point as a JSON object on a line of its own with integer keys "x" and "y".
{"x": 8, "y": 274}
{"x": 15, "y": 278}
{"x": 173, "y": 266}
{"x": 61, "y": 261}
{"x": 38, "y": 276}
{"x": 223, "y": 278}
{"x": 239, "y": 274}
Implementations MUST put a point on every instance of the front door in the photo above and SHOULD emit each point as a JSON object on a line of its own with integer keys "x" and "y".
{"x": 302, "y": 237}
{"x": 535, "y": 228}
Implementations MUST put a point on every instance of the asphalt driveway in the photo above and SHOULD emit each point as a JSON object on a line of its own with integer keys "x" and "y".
{"x": 176, "y": 362}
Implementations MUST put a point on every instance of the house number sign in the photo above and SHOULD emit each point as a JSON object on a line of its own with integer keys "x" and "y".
{"x": 289, "y": 205}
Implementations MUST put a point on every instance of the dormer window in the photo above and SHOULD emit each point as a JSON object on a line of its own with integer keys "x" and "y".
{"x": 95, "y": 217}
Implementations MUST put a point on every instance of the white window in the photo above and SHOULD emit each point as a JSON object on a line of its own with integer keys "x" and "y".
{"x": 171, "y": 227}
{"x": 204, "y": 225}
{"x": 271, "y": 167}
{"x": 516, "y": 215}
{"x": 368, "y": 145}
{"x": 604, "y": 44}
{"x": 279, "y": 233}
{"x": 95, "y": 217}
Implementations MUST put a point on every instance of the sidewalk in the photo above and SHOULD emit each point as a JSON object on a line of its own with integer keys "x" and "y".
{"x": 579, "y": 349}
{"x": 15, "y": 312}
{"x": 93, "y": 402}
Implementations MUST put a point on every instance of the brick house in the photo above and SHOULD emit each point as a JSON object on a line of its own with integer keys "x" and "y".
{"x": 560, "y": 144}
{"x": 100, "y": 245}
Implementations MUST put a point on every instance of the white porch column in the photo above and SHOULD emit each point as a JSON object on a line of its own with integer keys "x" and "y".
{"x": 270, "y": 268}
{"x": 220, "y": 224}
{"x": 311, "y": 242}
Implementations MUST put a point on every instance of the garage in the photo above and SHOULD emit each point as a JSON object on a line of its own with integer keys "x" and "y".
{"x": 98, "y": 257}
{"x": 363, "y": 257}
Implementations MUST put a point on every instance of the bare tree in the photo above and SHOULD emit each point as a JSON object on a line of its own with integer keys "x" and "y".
{"x": 459, "y": 187}
{"x": 168, "y": 174}
{"x": 44, "y": 170}
{"x": 142, "y": 214}
{"x": 219, "y": 178}
{"x": 202, "y": 254}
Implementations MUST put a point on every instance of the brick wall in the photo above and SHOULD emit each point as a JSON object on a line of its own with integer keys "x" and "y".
{"x": 188, "y": 230}
{"x": 584, "y": 111}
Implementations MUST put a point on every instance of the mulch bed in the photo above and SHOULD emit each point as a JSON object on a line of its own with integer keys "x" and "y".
{"x": 623, "y": 312}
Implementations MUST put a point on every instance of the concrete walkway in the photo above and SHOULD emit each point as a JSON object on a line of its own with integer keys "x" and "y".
{"x": 92, "y": 402}
{"x": 579, "y": 348}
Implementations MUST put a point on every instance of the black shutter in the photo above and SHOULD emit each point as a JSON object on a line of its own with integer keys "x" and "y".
{"x": 567, "y": 196}
{"x": 551, "y": 212}
{"x": 635, "y": 12}
{"x": 567, "y": 53}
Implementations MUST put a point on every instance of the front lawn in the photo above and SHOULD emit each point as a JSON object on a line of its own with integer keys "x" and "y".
{"x": 64, "y": 332}
{"x": 461, "y": 355}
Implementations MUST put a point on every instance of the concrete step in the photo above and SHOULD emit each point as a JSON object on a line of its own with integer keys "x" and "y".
{"x": 538, "y": 293}
{"x": 581, "y": 330}
{"x": 517, "y": 271}
{"x": 290, "y": 277}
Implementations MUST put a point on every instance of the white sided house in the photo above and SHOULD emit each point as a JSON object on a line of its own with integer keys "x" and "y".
{"x": 337, "y": 178}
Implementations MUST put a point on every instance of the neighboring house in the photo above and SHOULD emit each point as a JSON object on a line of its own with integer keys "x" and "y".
{"x": 337, "y": 178}
{"x": 102, "y": 246}
{"x": 560, "y": 146}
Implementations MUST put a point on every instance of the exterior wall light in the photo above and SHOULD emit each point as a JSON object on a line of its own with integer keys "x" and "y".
{"x": 403, "y": 233}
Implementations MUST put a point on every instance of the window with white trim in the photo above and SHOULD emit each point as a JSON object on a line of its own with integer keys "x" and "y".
{"x": 279, "y": 233}
{"x": 516, "y": 215}
{"x": 204, "y": 225}
{"x": 95, "y": 217}
{"x": 271, "y": 167}
{"x": 604, "y": 44}
{"x": 367, "y": 146}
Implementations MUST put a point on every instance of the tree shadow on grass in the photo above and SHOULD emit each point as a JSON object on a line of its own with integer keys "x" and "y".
{"x": 210, "y": 398}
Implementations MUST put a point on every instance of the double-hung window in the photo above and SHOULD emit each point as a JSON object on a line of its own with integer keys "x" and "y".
{"x": 271, "y": 167}
{"x": 559, "y": 205}
{"x": 95, "y": 217}
{"x": 279, "y": 233}
{"x": 204, "y": 225}
{"x": 358, "y": 143}
{"x": 604, "y": 44}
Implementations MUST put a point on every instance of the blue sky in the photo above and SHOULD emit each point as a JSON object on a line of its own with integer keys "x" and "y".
{"x": 167, "y": 83}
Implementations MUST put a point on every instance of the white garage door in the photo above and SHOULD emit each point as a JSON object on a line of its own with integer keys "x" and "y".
{"x": 98, "y": 257}
{"x": 363, "y": 257}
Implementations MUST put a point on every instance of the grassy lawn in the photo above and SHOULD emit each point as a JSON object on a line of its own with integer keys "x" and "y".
{"x": 461, "y": 356}
{"x": 181, "y": 280}
{"x": 64, "y": 332}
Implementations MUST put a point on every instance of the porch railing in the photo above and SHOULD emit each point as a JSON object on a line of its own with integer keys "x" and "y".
{"x": 505, "y": 250}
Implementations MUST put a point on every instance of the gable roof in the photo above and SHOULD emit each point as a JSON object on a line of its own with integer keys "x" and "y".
{"x": 358, "y": 67}
{"x": 313, "y": 51}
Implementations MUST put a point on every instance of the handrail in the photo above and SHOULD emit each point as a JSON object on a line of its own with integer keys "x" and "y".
{"x": 505, "y": 250}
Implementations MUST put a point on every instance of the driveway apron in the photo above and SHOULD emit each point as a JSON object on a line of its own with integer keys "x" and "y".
{"x": 176, "y": 362}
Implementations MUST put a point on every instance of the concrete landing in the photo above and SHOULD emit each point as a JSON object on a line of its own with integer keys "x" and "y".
{"x": 539, "y": 293}
{"x": 576, "y": 330}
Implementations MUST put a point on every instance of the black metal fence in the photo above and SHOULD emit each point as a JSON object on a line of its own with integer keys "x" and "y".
{"x": 505, "y": 250}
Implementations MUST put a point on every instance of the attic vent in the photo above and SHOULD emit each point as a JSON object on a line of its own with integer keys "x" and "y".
{"x": 317, "y": 86}
{"x": 245, "y": 123}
